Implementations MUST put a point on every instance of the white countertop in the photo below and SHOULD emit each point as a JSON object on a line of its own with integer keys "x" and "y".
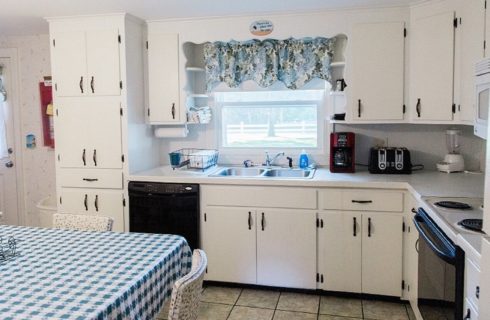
{"x": 422, "y": 183}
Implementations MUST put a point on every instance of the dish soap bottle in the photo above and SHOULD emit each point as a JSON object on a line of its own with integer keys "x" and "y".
{"x": 303, "y": 159}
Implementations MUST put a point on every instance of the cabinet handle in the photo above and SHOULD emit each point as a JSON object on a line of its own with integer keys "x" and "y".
{"x": 417, "y": 245}
{"x": 417, "y": 107}
{"x": 83, "y": 158}
{"x": 362, "y": 201}
{"x": 468, "y": 315}
{"x": 414, "y": 211}
{"x": 90, "y": 179}
{"x": 477, "y": 292}
{"x": 321, "y": 223}
{"x": 369, "y": 227}
{"x": 249, "y": 220}
{"x": 85, "y": 202}
{"x": 262, "y": 222}
{"x": 96, "y": 202}
{"x": 92, "y": 85}
{"x": 354, "y": 226}
{"x": 173, "y": 110}
{"x": 359, "y": 108}
{"x": 94, "y": 157}
{"x": 81, "y": 84}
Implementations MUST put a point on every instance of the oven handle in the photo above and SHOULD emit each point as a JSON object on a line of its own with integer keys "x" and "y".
{"x": 447, "y": 251}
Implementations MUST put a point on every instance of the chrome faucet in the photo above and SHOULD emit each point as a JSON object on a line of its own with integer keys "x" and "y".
{"x": 269, "y": 161}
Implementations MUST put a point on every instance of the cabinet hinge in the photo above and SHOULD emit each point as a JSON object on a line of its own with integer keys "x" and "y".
{"x": 54, "y": 42}
{"x": 148, "y": 112}
{"x": 120, "y": 84}
{"x": 205, "y": 217}
{"x": 119, "y": 38}
{"x": 485, "y": 4}
{"x": 321, "y": 278}
{"x": 404, "y": 32}
{"x": 61, "y": 201}
{"x": 120, "y": 111}
{"x": 455, "y": 22}
{"x": 459, "y": 107}
{"x": 57, "y": 112}
{"x": 146, "y": 45}
{"x": 404, "y": 109}
{"x": 484, "y": 44}
{"x": 403, "y": 226}
{"x": 403, "y": 284}
{"x": 124, "y": 202}
{"x": 59, "y": 158}
{"x": 122, "y": 157}
{"x": 408, "y": 287}
{"x": 454, "y": 108}
{"x": 55, "y": 87}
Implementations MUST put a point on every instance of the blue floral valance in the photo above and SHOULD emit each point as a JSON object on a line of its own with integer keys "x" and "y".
{"x": 293, "y": 61}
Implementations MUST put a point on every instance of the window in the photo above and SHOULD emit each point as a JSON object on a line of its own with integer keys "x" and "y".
{"x": 271, "y": 119}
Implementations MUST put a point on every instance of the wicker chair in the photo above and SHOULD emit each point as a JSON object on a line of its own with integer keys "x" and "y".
{"x": 82, "y": 222}
{"x": 186, "y": 293}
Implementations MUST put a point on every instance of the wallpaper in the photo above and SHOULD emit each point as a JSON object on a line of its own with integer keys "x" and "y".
{"x": 38, "y": 163}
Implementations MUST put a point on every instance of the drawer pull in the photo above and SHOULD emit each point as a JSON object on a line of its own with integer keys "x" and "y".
{"x": 262, "y": 222}
{"x": 249, "y": 220}
{"x": 94, "y": 157}
{"x": 92, "y": 85}
{"x": 362, "y": 201}
{"x": 81, "y": 84}
{"x": 83, "y": 158}
{"x": 90, "y": 179}
{"x": 96, "y": 202}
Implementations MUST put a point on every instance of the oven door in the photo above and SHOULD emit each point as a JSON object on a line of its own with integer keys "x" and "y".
{"x": 441, "y": 272}
{"x": 482, "y": 83}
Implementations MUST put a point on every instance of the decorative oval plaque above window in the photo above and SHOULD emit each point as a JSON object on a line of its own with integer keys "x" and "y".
{"x": 261, "y": 27}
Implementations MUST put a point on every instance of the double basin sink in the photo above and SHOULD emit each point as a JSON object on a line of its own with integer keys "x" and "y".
{"x": 263, "y": 172}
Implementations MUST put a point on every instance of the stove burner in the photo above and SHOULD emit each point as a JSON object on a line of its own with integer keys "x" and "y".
{"x": 472, "y": 224}
{"x": 453, "y": 205}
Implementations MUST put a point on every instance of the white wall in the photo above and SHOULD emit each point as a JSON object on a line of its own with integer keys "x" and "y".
{"x": 38, "y": 163}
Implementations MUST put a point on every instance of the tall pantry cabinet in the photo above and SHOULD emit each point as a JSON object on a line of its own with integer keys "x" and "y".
{"x": 100, "y": 132}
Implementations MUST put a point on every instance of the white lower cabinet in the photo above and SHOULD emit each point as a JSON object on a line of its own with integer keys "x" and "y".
{"x": 229, "y": 239}
{"x": 360, "y": 252}
{"x": 100, "y": 202}
{"x": 272, "y": 247}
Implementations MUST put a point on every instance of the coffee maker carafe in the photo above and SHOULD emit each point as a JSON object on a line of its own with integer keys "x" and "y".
{"x": 342, "y": 153}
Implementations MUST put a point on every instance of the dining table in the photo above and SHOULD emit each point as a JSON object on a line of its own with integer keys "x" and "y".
{"x": 68, "y": 274}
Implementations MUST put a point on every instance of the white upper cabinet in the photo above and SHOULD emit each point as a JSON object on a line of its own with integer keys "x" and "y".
{"x": 471, "y": 34}
{"x": 432, "y": 67}
{"x": 86, "y": 63}
{"x": 377, "y": 80}
{"x": 163, "y": 79}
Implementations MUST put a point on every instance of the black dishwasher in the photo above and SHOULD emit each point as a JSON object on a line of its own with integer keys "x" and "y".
{"x": 171, "y": 208}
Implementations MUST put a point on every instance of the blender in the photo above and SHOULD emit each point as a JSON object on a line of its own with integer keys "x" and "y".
{"x": 453, "y": 161}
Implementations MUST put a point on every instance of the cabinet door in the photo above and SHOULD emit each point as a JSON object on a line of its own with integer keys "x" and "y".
{"x": 339, "y": 251}
{"x": 163, "y": 78}
{"x": 286, "y": 248}
{"x": 410, "y": 254}
{"x": 69, "y": 63}
{"x": 88, "y": 135}
{"x": 100, "y": 202}
{"x": 471, "y": 35}
{"x": 484, "y": 306}
{"x": 103, "y": 69}
{"x": 382, "y": 254}
{"x": 431, "y": 60}
{"x": 377, "y": 84}
{"x": 228, "y": 237}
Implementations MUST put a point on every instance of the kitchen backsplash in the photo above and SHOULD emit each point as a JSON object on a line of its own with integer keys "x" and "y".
{"x": 427, "y": 144}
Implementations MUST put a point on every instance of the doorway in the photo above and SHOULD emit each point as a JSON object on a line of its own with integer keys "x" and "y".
{"x": 11, "y": 197}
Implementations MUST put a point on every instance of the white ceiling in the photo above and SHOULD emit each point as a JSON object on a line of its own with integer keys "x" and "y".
{"x": 20, "y": 17}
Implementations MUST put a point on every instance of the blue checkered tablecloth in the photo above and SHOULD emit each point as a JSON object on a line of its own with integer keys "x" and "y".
{"x": 63, "y": 274}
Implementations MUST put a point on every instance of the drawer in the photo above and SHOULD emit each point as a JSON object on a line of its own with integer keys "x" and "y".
{"x": 263, "y": 197}
{"x": 330, "y": 199}
{"x": 372, "y": 200}
{"x": 472, "y": 282}
{"x": 91, "y": 178}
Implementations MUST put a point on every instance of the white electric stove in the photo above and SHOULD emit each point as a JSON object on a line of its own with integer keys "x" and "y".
{"x": 464, "y": 214}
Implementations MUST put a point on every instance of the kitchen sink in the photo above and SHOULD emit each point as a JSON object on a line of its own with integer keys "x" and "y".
{"x": 284, "y": 173}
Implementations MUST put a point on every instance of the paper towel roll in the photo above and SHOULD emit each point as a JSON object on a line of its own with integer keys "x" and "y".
{"x": 171, "y": 132}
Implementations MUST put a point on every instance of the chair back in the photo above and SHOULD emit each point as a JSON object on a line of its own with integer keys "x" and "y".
{"x": 82, "y": 222}
{"x": 186, "y": 293}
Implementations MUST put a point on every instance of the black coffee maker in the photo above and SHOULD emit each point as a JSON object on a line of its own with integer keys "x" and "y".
{"x": 342, "y": 152}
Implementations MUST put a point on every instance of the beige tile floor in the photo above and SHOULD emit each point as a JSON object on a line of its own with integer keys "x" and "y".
{"x": 220, "y": 303}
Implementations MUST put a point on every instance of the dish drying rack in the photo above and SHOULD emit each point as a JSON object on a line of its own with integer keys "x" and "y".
{"x": 193, "y": 158}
